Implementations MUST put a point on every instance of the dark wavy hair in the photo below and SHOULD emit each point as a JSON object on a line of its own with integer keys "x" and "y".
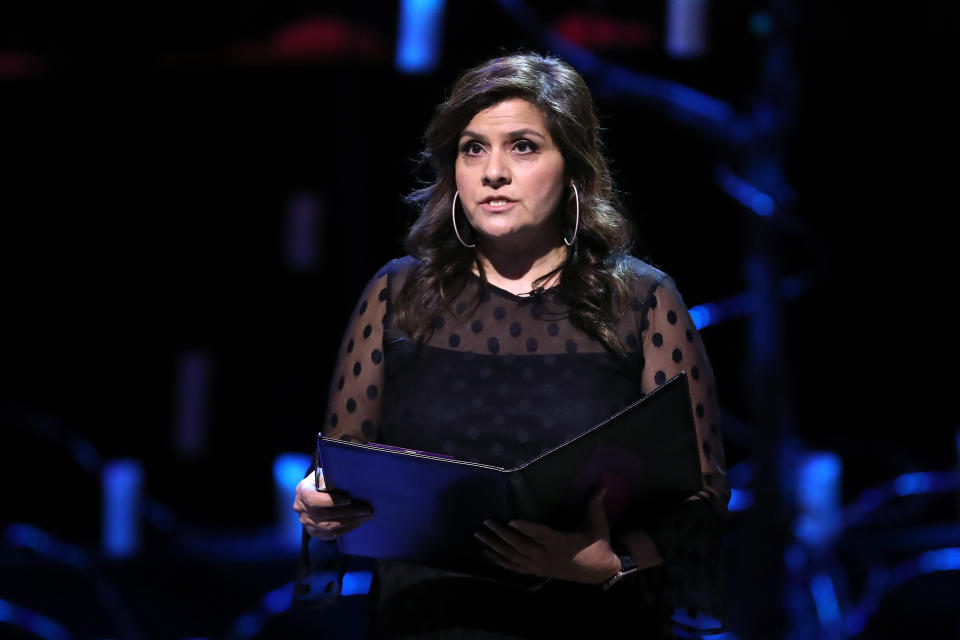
{"x": 592, "y": 279}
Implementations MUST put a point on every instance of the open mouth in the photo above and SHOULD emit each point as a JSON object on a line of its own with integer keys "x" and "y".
{"x": 497, "y": 204}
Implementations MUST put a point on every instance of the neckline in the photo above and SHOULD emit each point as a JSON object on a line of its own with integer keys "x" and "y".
{"x": 513, "y": 296}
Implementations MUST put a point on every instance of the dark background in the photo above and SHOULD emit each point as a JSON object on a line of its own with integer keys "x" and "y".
{"x": 150, "y": 156}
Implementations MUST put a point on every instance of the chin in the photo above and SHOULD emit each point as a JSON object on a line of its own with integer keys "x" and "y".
{"x": 494, "y": 235}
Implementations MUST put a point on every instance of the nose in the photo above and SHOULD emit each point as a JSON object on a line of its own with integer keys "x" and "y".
{"x": 496, "y": 172}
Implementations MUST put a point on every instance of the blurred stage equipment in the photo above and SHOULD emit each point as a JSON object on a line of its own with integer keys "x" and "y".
{"x": 122, "y": 488}
{"x": 687, "y": 28}
{"x": 419, "y": 36}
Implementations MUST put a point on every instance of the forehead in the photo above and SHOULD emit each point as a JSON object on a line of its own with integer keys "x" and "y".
{"x": 510, "y": 114}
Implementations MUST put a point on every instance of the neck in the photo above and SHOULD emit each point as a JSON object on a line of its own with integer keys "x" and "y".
{"x": 517, "y": 270}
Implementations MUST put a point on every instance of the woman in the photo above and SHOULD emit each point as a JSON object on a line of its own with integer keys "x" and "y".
{"x": 518, "y": 321}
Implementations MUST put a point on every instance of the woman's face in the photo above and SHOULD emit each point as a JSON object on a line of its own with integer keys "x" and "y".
{"x": 510, "y": 175}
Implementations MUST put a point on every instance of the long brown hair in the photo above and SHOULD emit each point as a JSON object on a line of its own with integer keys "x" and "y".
{"x": 592, "y": 279}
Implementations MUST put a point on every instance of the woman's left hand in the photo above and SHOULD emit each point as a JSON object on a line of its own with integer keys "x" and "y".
{"x": 579, "y": 556}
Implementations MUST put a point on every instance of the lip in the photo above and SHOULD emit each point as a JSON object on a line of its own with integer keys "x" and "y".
{"x": 485, "y": 204}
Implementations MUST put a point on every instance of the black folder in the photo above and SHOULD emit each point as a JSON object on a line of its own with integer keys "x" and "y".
{"x": 426, "y": 507}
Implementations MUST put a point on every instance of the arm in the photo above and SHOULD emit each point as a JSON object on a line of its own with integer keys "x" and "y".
{"x": 353, "y": 411}
{"x": 687, "y": 539}
{"x": 671, "y": 344}
{"x": 356, "y": 389}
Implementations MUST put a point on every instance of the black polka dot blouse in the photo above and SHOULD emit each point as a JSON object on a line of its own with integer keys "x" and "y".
{"x": 502, "y": 378}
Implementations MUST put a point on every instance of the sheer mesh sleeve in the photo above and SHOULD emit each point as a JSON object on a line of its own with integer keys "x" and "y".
{"x": 353, "y": 413}
{"x": 353, "y": 410}
{"x": 688, "y": 538}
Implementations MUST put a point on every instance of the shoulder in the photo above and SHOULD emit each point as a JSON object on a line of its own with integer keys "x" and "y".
{"x": 642, "y": 278}
{"x": 394, "y": 273}
{"x": 398, "y": 266}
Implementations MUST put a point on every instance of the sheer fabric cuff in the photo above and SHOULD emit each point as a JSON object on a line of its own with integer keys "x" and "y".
{"x": 688, "y": 539}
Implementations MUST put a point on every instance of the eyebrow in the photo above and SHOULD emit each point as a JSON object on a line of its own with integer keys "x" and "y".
{"x": 519, "y": 133}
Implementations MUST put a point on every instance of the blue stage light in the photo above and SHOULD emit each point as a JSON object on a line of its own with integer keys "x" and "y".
{"x": 701, "y": 315}
{"x": 356, "y": 583}
{"x": 743, "y": 192}
{"x": 288, "y": 470}
{"x": 701, "y": 622}
{"x": 825, "y": 600}
{"x": 122, "y": 480}
{"x": 818, "y": 497}
{"x": 278, "y": 600}
{"x": 46, "y": 628}
{"x": 32, "y": 622}
{"x": 912, "y": 483}
{"x": 940, "y": 560}
{"x": 740, "y": 499}
{"x": 420, "y": 31}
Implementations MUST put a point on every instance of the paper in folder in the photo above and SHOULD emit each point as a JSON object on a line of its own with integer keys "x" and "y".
{"x": 427, "y": 507}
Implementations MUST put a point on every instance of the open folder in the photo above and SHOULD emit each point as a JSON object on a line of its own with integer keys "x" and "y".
{"x": 426, "y": 507}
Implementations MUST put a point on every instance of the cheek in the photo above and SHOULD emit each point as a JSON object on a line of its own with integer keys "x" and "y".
{"x": 550, "y": 192}
{"x": 463, "y": 179}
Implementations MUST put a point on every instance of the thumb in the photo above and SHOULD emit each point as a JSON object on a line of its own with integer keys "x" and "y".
{"x": 597, "y": 516}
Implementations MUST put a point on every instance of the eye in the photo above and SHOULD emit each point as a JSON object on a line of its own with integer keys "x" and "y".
{"x": 524, "y": 146}
{"x": 471, "y": 148}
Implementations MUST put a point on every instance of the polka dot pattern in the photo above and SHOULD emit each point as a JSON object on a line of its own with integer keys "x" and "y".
{"x": 503, "y": 378}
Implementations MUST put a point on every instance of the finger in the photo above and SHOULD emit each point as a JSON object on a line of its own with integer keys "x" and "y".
{"x": 513, "y": 537}
{"x": 337, "y": 513}
{"x": 313, "y": 498}
{"x": 503, "y": 562}
{"x": 346, "y": 527}
{"x": 502, "y": 549}
{"x": 332, "y": 528}
{"x": 333, "y": 514}
{"x": 536, "y": 532}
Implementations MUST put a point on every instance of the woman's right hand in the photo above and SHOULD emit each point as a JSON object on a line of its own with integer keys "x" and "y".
{"x": 327, "y": 515}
